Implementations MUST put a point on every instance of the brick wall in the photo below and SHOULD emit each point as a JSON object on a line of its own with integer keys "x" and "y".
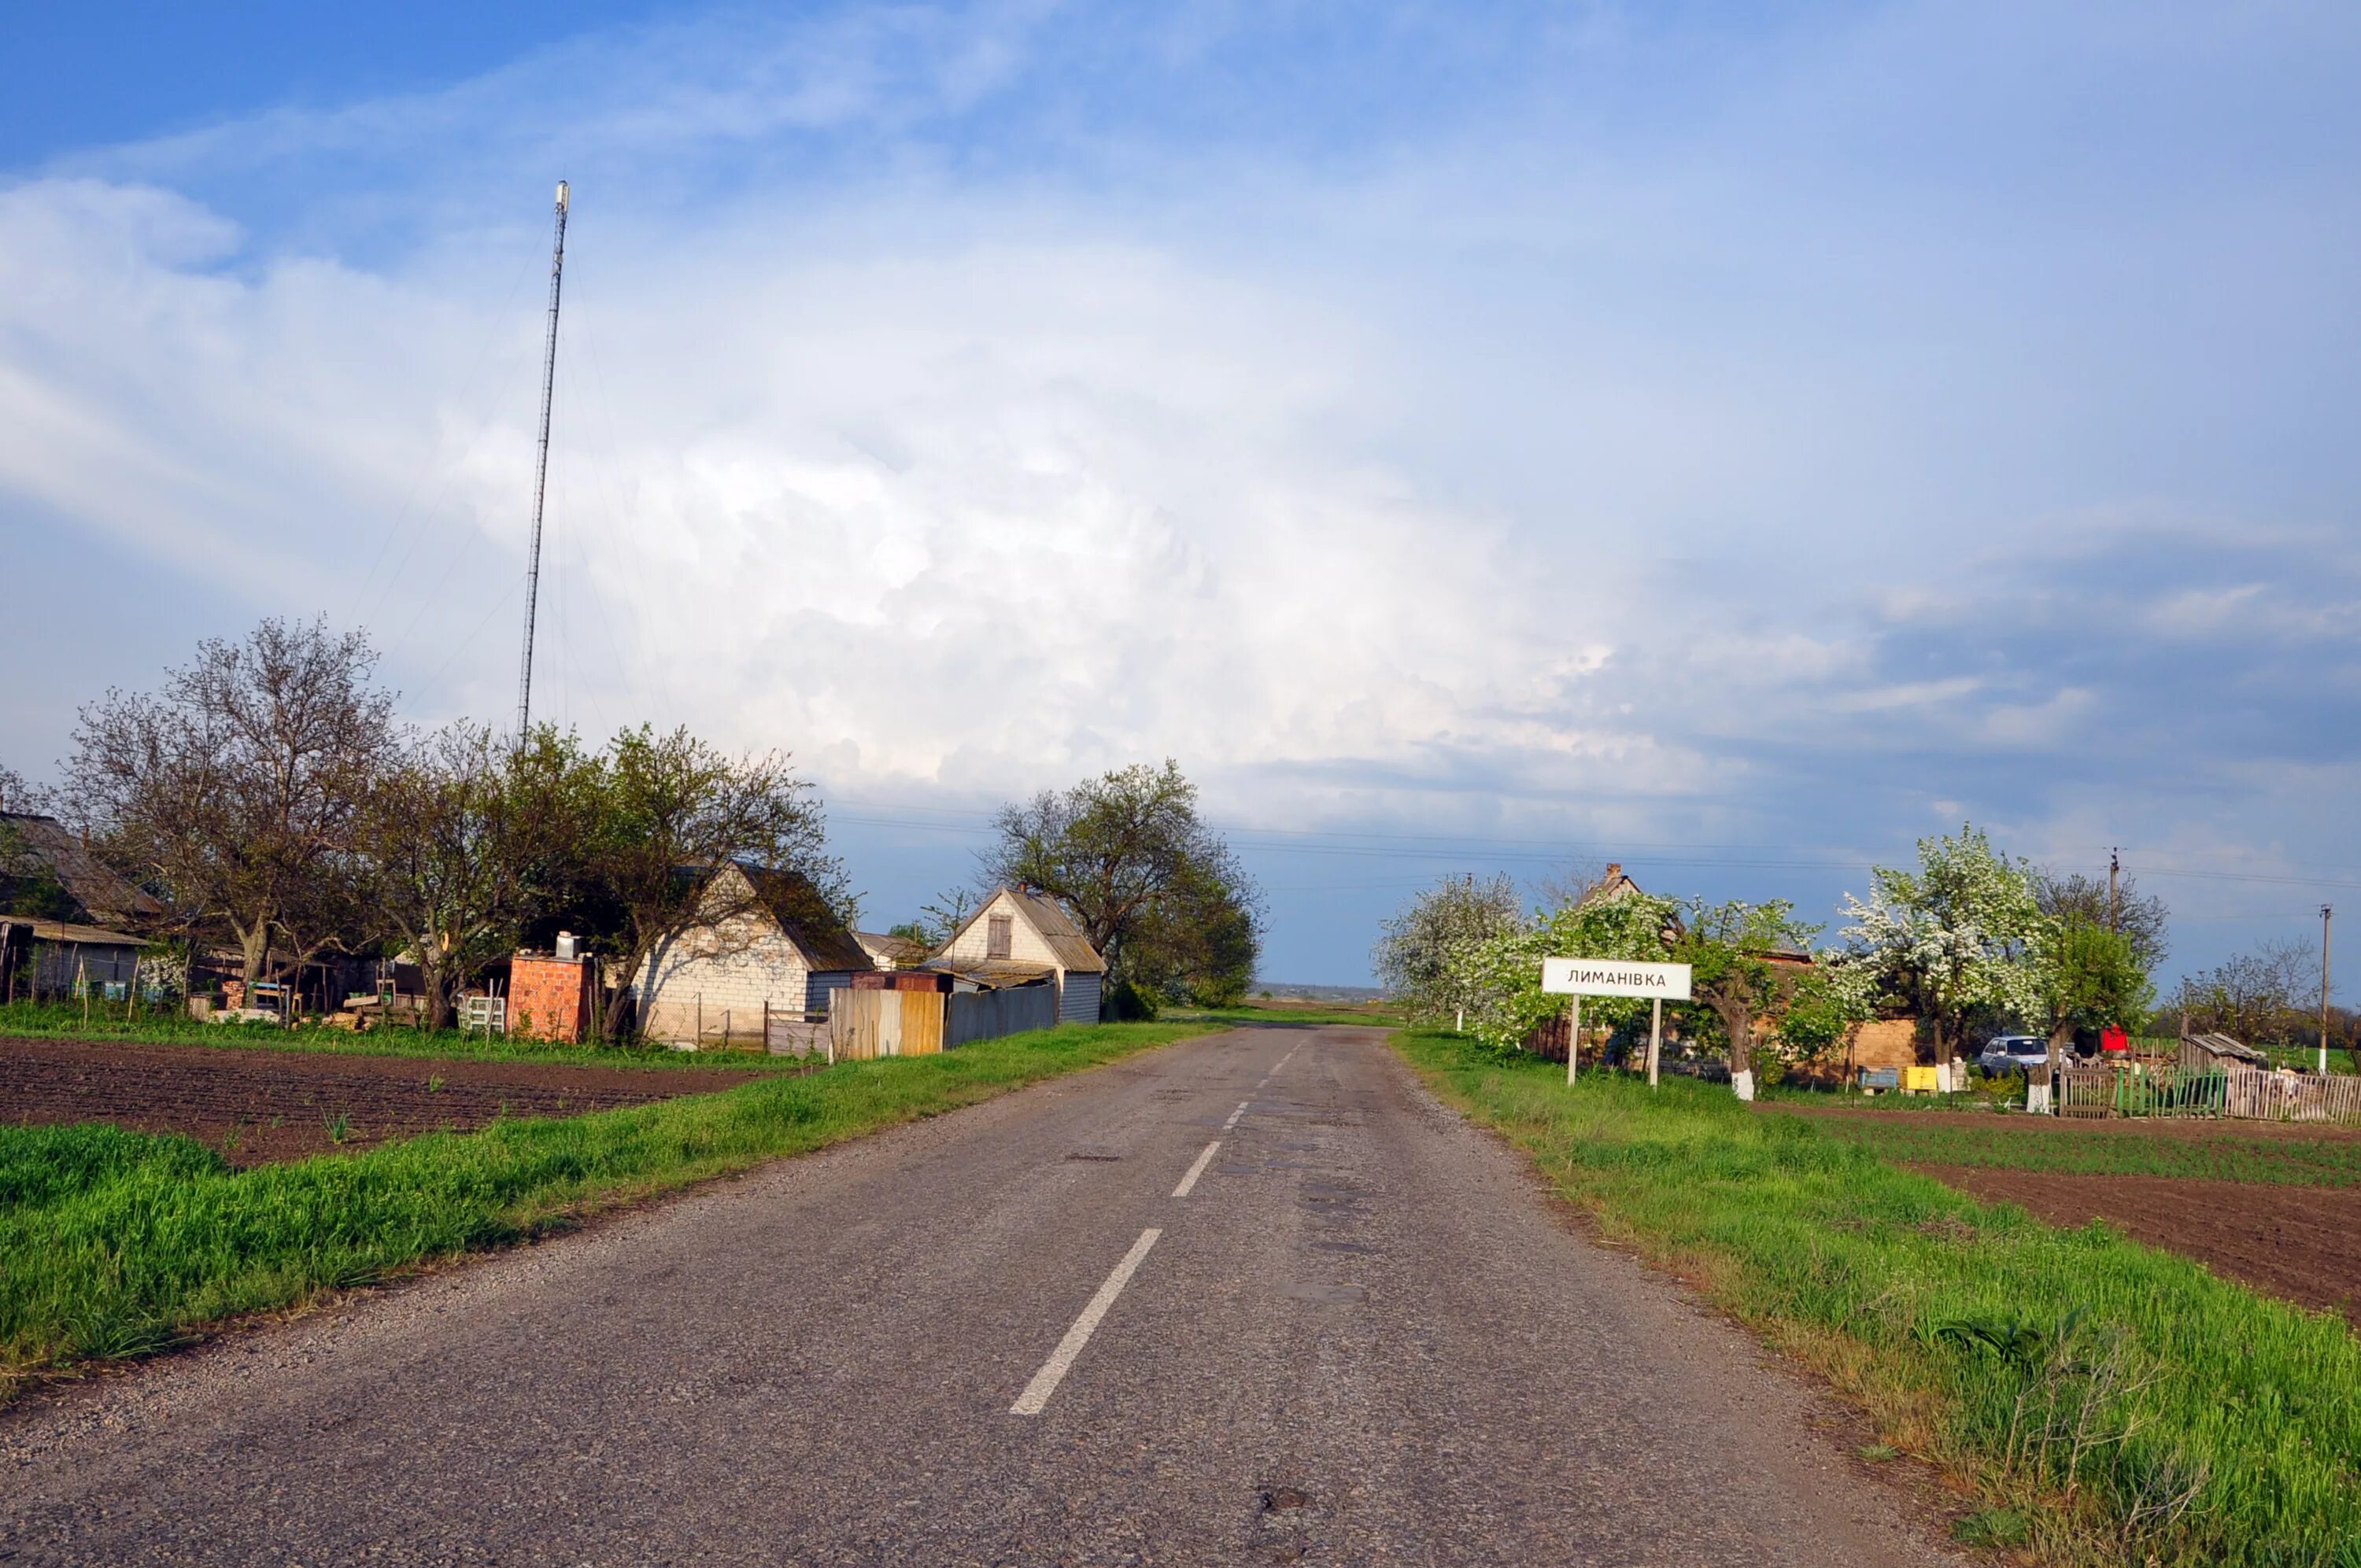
{"x": 549, "y": 999}
{"x": 713, "y": 981}
{"x": 1888, "y": 1042}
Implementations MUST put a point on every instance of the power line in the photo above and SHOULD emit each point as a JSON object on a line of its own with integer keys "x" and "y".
{"x": 1445, "y": 847}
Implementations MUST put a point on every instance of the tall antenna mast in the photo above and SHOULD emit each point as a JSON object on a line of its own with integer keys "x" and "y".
{"x": 541, "y": 472}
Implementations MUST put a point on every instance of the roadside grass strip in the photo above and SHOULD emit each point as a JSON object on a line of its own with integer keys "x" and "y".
{"x": 64, "y": 1021}
{"x": 118, "y": 1244}
{"x": 2125, "y": 1405}
{"x": 2045, "y": 1145}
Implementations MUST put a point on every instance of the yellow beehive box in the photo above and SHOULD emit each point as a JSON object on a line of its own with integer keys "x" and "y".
{"x": 1919, "y": 1080}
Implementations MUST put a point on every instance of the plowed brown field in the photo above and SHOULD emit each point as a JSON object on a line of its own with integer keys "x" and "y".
{"x": 2301, "y": 1242}
{"x": 259, "y": 1106}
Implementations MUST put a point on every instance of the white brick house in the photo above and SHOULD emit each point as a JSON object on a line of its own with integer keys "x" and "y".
{"x": 1018, "y": 930}
{"x": 779, "y": 959}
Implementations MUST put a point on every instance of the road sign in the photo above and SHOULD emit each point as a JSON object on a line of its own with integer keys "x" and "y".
{"x": 1579, "y": 978}
{"x": 1615, "y": 977}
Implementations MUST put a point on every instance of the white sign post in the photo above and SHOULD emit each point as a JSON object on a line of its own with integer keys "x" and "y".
{"x": 1579, "y": 978}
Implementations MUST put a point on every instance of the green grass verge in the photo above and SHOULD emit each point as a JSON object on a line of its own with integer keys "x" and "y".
{"x": 2126, "y": 1404}
{"x": 2043, "y": 1143}
{"x": 58, "y": 1021}
{"x": 116, "y": 1244}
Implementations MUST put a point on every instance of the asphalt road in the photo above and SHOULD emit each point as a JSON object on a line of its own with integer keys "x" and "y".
{"x": 1362, "y": 1336}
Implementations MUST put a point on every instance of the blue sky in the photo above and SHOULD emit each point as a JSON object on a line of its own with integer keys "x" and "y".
{"x": 1734, "y": 441}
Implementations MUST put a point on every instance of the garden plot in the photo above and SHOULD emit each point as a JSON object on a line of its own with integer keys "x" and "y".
{"x": 2303, "y": 1243}
{"x": 2277, "y": 1207}
{"x": 259, "y": 1107}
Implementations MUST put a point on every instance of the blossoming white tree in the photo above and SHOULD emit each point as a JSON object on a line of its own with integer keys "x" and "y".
{"x": 1424, "y": 955}
{"x": 1503, "y": 975}
{"x": 1960, "y": 935}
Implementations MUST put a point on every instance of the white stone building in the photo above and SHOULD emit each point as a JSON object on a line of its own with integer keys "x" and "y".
{"x": 723, "y": 984}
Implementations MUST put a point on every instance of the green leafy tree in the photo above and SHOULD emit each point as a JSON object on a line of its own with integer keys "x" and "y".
{"x": 2091, "y": 977}
{"x": 1735, "y": 971}
{"x": 1152, "y": 886}
{"x": 664, "y": 814}
{"x": 470, "y": 838}
{"x": 2144, "y": 919}
{"x": 1419, "y": 955}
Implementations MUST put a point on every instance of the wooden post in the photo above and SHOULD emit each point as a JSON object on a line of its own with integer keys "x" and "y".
{"x": 1655, "y": 1035}
{"x": 1573, "y": 1036}
{"x": 81, "y": 983}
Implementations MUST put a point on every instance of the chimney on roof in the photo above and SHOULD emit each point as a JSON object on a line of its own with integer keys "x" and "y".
{"x": 1614, "y": 872}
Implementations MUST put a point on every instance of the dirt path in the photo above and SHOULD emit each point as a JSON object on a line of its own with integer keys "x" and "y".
{"x": 260, "y": 1106}
{"x": 2300, "y": 1243}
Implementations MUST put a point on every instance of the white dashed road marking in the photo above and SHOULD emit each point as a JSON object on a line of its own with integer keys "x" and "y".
{"x": 1197, "y": 1170}
{"x": 1061, "y": 1359}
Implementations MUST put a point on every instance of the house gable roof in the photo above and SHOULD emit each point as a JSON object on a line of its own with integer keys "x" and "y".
{"x": 805, "y": 917}
{"x": 35, "y": 843}
{"x": 885, "y": 945}
{"x": 1049, "y": 921}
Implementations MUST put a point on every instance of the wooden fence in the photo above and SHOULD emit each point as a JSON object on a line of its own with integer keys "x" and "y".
{"x": 866, "y": 1024}
{"x": 2160, "y": 1090}
{"x": 2262, "y": 1095}
{"x": 2250, "y": 1093}
{"x": 794, "y": 1033}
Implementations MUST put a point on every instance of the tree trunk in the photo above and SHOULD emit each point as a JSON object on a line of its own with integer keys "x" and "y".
{"x": 440, "y": 1010}
{"x": 253, "y": 953}
{"x": 612, "y": 1015}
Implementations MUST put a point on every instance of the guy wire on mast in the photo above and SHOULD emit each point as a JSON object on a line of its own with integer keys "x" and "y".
{"x": 541, "y": 472}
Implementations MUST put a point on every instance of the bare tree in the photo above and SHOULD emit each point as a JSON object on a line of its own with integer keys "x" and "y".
{"x": 667, "y": 813}
{"x": 2144, "y": 920}
{"x": 19, "y": 794}
{"x": 2266, "y": 994}
{"x": 1574, "y": 884}
{"x": 233, "y": 792}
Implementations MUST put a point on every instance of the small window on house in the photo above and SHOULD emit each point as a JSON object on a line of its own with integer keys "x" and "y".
{"x": 996, "y": 934}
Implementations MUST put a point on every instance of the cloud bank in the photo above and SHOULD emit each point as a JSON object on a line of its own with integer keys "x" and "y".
{"x": 1789, "y": 436}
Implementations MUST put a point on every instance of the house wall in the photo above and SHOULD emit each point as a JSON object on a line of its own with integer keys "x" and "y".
{"x": 1079, "y": 997}
{"x": 1887, "y": 1042}
{"x": 711, "y": 981}
{"x": 58, "y": 967}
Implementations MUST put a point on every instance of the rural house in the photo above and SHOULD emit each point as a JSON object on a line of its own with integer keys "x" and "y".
{"x": 888, "y": 951}
{"x": 59, "y": 905}
{"x": 779, "y": 957}
{"x": 47, "y": 873}
{"x": 1020, "y": 934}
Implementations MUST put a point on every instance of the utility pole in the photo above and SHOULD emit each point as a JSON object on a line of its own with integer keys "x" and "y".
{"x": 2326, "y": 914}
{"x": 541, "y": 472}
{"x": 2114, "y": 894}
